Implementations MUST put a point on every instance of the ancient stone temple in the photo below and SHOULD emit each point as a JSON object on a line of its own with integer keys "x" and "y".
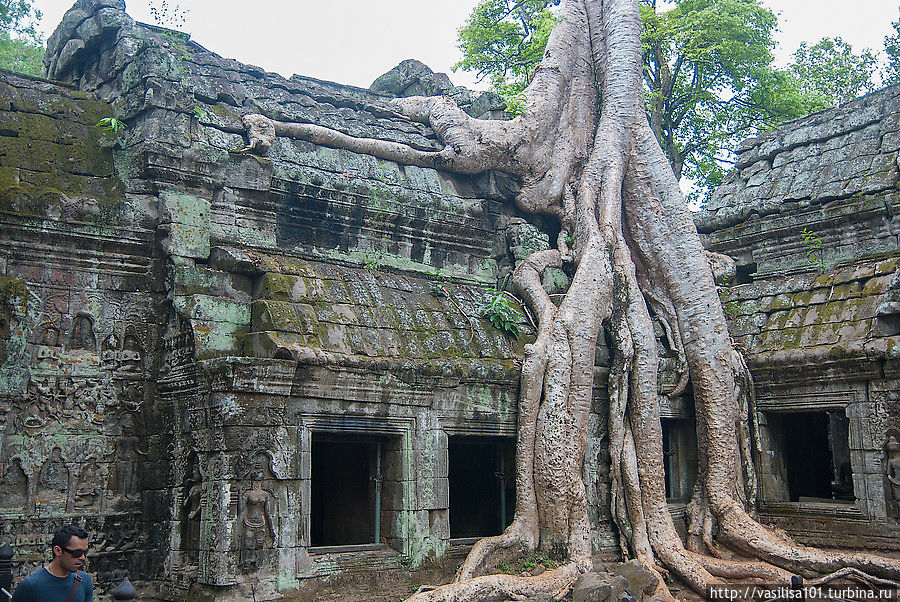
{"x": 254, "y": 366}
{"x": 810, "y": 216}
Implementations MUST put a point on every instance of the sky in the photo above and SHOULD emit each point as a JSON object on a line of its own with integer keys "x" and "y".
{"x": 355, "y": 41}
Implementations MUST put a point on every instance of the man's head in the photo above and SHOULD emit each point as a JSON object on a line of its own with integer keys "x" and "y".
{"x": 70, "y": 546}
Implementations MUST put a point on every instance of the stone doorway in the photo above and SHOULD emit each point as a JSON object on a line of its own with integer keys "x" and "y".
{"x": 812, "y": 453}
{"x": 346, "y": 490}
{"x": 482, "y": 486}
{"x": 679, "y": 458}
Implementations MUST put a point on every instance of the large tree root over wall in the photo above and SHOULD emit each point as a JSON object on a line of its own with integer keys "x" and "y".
{"x": 585, "y": 153}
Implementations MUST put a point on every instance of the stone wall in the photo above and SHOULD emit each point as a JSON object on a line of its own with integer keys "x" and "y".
{"x": 79, "y": 320}
{"x": 809, "y": 214}
{"x": 306, "y": 294}
{"x": 183, "y": 323}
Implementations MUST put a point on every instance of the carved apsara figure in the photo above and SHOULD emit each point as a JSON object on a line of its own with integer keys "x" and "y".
{"x": 14, "y": 493}
{"x": 255, "y": 528}
{"x": 54, "y": 477}
{"x": 193, "y": 503}
{"x": 892, "y": 451}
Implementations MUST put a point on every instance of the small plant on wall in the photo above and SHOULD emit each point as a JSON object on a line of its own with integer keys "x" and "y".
{"x": 500, "y": 312}
{"x": 113, "y": 129}
{"x": 814, "y": 249}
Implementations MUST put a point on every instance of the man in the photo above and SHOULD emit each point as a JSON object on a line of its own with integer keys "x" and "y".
{"x": 62, "y": 580}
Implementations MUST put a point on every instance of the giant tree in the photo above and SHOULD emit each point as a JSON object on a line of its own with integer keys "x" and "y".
{"x": 586, "y": 154}
{"x": 706, "y": 65}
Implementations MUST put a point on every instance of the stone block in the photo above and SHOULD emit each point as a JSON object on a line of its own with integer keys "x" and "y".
{"x": 598, "y": 587}
{"x": 283, "y": 316}
{"x": 433, "y": 493}
{"x": 186, "y": 209}
{"x": 214, "y": 283}
{"x": 186, "y": 241}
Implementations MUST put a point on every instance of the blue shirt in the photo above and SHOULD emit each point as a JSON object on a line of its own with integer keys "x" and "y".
{"x": 41, "y": 586}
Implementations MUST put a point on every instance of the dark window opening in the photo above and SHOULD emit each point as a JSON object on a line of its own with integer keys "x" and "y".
{"x": 482, "y": 486}
{"x": 814, "y": 448}
{"x": 744, "y": 273}
{"x": 346, "y": 490}
{"x": 679, "y": 458}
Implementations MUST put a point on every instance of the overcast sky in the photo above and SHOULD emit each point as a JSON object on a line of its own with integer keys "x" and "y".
{"x": 355, "y": 41}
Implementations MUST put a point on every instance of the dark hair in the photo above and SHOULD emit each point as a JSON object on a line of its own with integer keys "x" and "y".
{"x": 61, "y": 538}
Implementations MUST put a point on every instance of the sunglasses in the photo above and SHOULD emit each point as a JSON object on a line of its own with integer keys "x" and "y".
{"x": 77, "y": 553}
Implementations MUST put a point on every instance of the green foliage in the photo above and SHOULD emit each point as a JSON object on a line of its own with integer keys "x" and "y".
{"x": 503, "y": 41}
{"x": 113, "y": 128}
{"x": 21, "y": 47}
{"x": 19, "y": 19}
{"x": 830, "y": 73}
{"x": 891, "y": 74}
{"x": 707, "y": 67}
{"x": 709, "y": 82}
{"x": 373, "y": 259}
{"x": 814, "y": 249}
{"x": 437, "y": 288}
{"x": 21, "y": 55}
{"x": 502, "y": 314}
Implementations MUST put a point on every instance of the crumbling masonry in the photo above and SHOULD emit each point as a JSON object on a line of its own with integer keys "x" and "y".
{"x": 270, "y": 368}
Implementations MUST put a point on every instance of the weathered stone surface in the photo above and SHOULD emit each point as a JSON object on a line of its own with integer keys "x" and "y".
{"x": 598, "y": 587}
{"x": 184, "y": 327}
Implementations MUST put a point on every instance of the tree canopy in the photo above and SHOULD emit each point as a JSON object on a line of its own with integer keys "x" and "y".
{"x": 892, "y": 50}
{"x": 829, "y": 73}
{"x": 708, "y": 73}
{"x": 21, "y": 46}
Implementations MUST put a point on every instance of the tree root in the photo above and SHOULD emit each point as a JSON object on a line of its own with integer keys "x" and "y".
{"x": 635, "y": 247}
{"x": 504, "y": 587}
{"x": 851, "y": 572}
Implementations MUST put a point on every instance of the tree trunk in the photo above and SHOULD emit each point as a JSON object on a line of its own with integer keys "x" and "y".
{"x": 636, "y": 250}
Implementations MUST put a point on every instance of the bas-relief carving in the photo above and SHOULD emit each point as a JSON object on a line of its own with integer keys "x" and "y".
{"x": 191, "y": 508}
{"x": 82, "y": 335}
{"x": 178, "y": 343}
{"x": 125, "y": 352}
{"x": 53, "y": 480}
{"x": 14, "y": 492}
{"x": 892, "y": 466}
{"x": 89, "y": 487}
{"x": 58, "y": 398}
{"x": 125, "y": 481}
{"x": 256, "y": 532}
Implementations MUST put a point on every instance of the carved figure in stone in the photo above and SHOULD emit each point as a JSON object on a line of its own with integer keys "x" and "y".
{"x": 109, "y": 351}
{"x": 37, "y": 408}
{"x": 132, "y": 355}
{"x": 260, "y": 133}
{"x": 127, "y": 450}
{"x": 14, "y": 492}
{"x": 131, "y": 394}
{"x": 255, "y": 525}
{"x": 88, "y": 487}
{"x": 53, "y": 483}
{"x": 256, "y": 531}
{"x": 193, "y": 503}
{"x": 892, "y": 451}
{"x": 82, "y": 336}
{"x": 48, "y": 334}
{"x": 47, "y": 340}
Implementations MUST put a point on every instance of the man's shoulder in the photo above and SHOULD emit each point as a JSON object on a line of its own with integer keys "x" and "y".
{"x": 36, "y": 577}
